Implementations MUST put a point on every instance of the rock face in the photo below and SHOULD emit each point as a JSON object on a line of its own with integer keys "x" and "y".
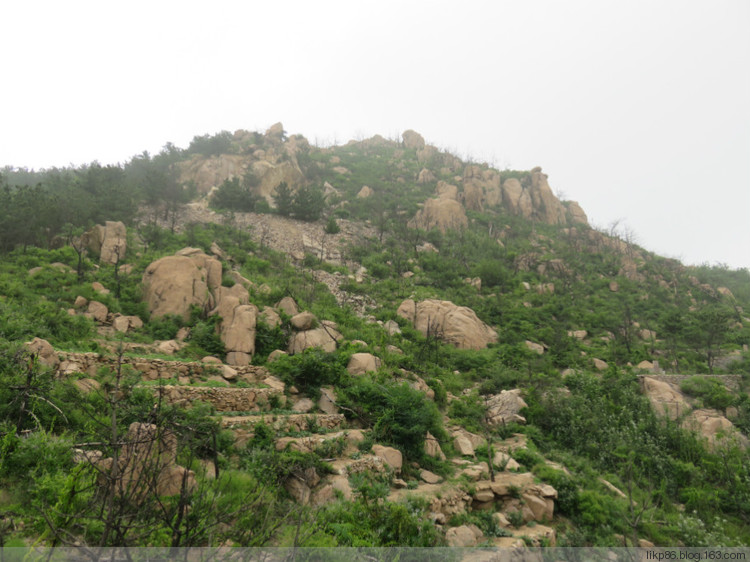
{"x": 175, "y": 283}
{"x": 272, "y": 175}
{"x": 481, "y": 188}
{"x": 109, "y": 242}
{"x": 665, "y": 399}
{"x": 456, "y": 325}
{"x": 208, "y": 172}
{"x": 444, "y": 214}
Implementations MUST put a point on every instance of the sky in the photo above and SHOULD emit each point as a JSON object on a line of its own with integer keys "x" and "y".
{"x": 638, "y": 110}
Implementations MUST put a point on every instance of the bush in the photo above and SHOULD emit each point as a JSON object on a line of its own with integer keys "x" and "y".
{"x": 205, "y": 337}
{"x": 332, "y": 227}
{"x": 399, "y": 415}
{"x": 309, "y": 370}
{"x": 713, "y": 392}
{"x": 267, "y": 339}
{"x": 236, "y": 195}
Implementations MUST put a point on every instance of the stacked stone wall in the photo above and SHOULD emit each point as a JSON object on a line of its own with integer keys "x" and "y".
{"x": 153, "y": 369}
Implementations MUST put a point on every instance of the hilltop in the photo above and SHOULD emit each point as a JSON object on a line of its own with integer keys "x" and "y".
{"x": 378, "y": 327}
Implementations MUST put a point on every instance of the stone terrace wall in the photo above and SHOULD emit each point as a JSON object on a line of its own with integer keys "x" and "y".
{"x": 223, "y": 399}
{"x": 243, "y": 427}
{"x": 152, "y": 369}
{"x": 732, "y": 382}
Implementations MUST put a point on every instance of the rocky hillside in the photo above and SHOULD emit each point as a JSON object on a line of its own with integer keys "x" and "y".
{"x": 262, "y": 340}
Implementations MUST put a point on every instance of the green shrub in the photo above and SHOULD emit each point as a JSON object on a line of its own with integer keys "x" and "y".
{"x": 712, "y": 391}
{"x": 164, "y": 327}
{"x": 267, "y": 340}
{"x": 398, "y": 415}
{"x": 205, "y": 337}
{"x": 309, "y": 370}
{"x": 332, "y": 227}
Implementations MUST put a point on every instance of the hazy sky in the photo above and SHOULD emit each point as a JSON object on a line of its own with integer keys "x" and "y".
{"x": 639, "y": 110}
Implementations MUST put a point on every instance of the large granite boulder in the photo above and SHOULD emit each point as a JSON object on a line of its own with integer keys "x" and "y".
{"x": 44, "y": 352}
{"x": 109, "y": 242}
{"x": 444, "y": 214}
{"x": 456, "y": 325}
{"x": 504, "y": 408}
{"x": 412, "y": 139}
{"x": 361, "y": 363}
{"x": 173, "y": 284}
{"x": 324, "y": 337}
{"x": 238, "y": 323}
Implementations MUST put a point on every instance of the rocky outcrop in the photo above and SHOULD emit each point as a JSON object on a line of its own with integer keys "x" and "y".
{"x": 174, "y": 284}
{"x": 425, "y": 176}
{"x": 464, "y": 536}
{"x": 446, "y": 190}
{"x": 208, "y": 172}
{"x": 126, "y": 324}
{"x": 109, "y": 242}
{"x": 576, "y": 213}
{"x": 288, "y": 306}
{"x": 443, "y": 214}
{"x": 272, "y": 175}
{"x": 456, "y": 325}
{"x": 714, "y": 427}
{"x": 481, "y": 188}
{"x": 664, "y": 398}
{"x": 710, "y": 424}
{"x": 547, "y": 207}
{"x": 532, "y": 198}
{"x": 432, "y": 447}
{"x": 272, "y": 164}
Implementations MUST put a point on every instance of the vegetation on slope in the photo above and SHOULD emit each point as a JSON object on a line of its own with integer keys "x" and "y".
{"x": 539, "y": 283}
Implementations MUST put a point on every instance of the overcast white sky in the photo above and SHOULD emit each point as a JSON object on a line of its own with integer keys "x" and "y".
{"x": 639, "y": 110}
